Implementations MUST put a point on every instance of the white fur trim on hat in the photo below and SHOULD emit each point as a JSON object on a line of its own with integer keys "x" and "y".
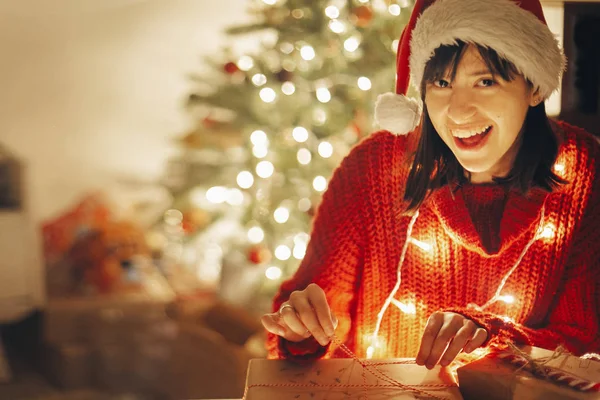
{"x": 514, "y": 33}
{"x": 397, "y": 113}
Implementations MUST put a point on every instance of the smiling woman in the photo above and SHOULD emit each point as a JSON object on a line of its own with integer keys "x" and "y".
{"x": 471, "y": 212}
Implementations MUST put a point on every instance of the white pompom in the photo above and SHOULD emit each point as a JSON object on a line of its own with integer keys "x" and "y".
{"x": 397, "y": 113}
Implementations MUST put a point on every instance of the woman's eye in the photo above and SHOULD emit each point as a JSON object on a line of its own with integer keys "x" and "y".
{"x": 441, "y": 83}
{"x": 488, "y": 82}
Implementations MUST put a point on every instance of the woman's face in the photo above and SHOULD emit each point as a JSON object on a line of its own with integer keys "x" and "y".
{"x": 479, "y": 117}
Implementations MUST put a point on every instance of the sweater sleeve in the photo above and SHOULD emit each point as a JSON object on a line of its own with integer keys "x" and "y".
{"x": 574, "y": 320}
{"x": 333, "y": 258}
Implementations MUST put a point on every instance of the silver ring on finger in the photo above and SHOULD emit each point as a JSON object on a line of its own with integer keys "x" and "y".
{"x": 283, "y": 307}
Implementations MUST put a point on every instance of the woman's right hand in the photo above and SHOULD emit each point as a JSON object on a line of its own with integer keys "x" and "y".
{"x": 305, "y": 314}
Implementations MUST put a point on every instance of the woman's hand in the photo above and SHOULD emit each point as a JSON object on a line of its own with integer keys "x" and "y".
{"x": 445, "y": 335}
{"x": 305, "y": 314}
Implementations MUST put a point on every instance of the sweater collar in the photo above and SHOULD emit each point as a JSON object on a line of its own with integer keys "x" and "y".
{"x": 520, "y": 216}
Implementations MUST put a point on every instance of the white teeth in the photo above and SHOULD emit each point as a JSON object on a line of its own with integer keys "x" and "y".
{"x": 463, "y": 134}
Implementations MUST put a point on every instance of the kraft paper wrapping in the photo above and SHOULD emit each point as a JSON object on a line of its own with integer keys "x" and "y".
{"x": 342, "y": 378}
{"x": 493, "y": 379}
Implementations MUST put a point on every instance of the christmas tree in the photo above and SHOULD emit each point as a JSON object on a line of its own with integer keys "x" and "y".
{"x": 272, "y": 127}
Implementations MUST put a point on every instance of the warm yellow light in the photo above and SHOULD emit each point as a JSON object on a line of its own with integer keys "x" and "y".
{"x": 260, "y": 151}
{"x": 265, "y": 169}
{"x": 304, "y": 204}
{"x": 307, "y": 53}
{"x": 283, "y": 253}
{"x": 332, "y": 12}
{"x": 273, "y": 273}
{"x": 235, "y": 197}
{"x": 245, "y": 179}
{"x": 281, "y": 215}
{"x": 325, "y": 149}
{"x": 406, "y": 308}
{"x": 323, "y": 95}
{"x": 548, "y": 231}
{"x": 394, "y": 9}
{"x": 351, "y": 44}
{"x": 256, "y": 235}
{"x": 267, "y": 95}
{"x": 364, "y": 83}
{"x": 216, "y": 194}
{"x": 422, "y": 245}
{"x": 304, "y": 156}
{"x": 508, "y": 299}
{"x": 320, "y": 184}
{"x": 259, "y": 138}
{"x": 259, "y": 79}
{"x": 337, "y": 26}
{"x": 300, "y": 134}
{"x": 245, "y": 63}
{"x": 288, "y": 88}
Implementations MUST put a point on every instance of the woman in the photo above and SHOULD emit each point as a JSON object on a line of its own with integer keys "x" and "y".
{"x": 475, "y": 228}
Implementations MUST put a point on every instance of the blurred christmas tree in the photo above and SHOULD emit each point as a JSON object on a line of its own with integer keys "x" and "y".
{"x": 272, "y": 127}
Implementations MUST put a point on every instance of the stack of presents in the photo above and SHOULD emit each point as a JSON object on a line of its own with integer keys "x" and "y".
{"x": 114, "y": 322}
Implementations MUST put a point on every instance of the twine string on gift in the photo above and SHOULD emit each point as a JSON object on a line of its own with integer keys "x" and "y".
{"x": 539, "y": 367}
{"x": 367, "y": 367}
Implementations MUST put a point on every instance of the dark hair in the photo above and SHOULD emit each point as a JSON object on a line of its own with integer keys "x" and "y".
{"x": 434, "y": 165}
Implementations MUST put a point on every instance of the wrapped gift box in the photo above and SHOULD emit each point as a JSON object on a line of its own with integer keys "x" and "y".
{"x": 347, "y": 379}
{"x": 495, "y": 378}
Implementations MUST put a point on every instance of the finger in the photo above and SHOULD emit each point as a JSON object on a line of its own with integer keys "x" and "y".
{"x": 308, "y": 316}
{"x": 434, "y": 324}
{"x": 318, "y": 300}
{"x": 293, "y": 322}
{"x": 477, "y": 340}
{"x": 445, "y": 335}
{"x": 270, "y": 323}
{"x": 457, "y": 343}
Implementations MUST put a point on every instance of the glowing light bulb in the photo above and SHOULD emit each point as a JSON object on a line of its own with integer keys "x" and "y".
{"x": 320, "y": 183}
{"x": 364, "y": 83}
{"x": 307, "y": 53}
{"x": 260, "y": 151}
{"x": 273, "y": 273}
{"x": 256, "y": 235}
{"x": 245, "y": 179}
{"x": 508, "y": 299}
{"x": 235, "y": 197}
{"x": 259, "y": 138}
{"x": 288, "y": 88}
{"x": 281, "y": 215}
{"x": 336, "y": 26}
{"x": 283, "y": 252}
{"x": 304, "y": 156}
{"x": 299, "y": 251}
{"x": 422, "y": 245}
{"x": 547, "y": 232}
{"x": 216, "y": 194}
{"x": 323, "y": 95}
{"x": 300, "y": 134}
{"x": 245, "y": 63}
{"x": 394, "y": 9}
{"x": 395, "y": 44}
{"x": 267, "y": 95}
{"x": 259, "y": 79}
{"x": 351, "y": 44}
{"x": 265, "y": 169}
{"x": 332, "y": 12}
{"x": 304, "y": 204}
{"x": 325, "y": 149}
{"x": 269, "y": 2}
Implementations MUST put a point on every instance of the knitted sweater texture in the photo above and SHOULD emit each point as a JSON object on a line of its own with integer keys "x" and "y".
{"x": 463, "y": 243}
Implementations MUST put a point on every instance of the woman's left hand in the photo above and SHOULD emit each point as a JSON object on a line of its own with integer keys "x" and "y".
{"x": 445, "y": 335}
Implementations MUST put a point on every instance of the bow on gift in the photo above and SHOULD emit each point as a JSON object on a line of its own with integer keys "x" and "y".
{"x": 539, "y": 367}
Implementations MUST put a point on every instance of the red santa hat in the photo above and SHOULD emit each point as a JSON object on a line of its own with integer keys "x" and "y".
{"x": 515, "y": 29}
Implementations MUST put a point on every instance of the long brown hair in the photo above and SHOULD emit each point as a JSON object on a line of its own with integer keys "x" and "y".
{"x": 434, "y": 165}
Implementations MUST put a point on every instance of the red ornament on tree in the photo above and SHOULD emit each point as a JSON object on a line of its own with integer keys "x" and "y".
{"x": 231, "y": 68}
{"x": 259, "y": 254}
{"x": 362, "y": 16}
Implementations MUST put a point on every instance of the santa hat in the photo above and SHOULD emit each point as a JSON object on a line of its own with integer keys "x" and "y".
{"x": 515, "y": 29}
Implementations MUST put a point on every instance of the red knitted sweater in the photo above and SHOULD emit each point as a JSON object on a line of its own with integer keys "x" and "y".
{"x": 462, "y": 245}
